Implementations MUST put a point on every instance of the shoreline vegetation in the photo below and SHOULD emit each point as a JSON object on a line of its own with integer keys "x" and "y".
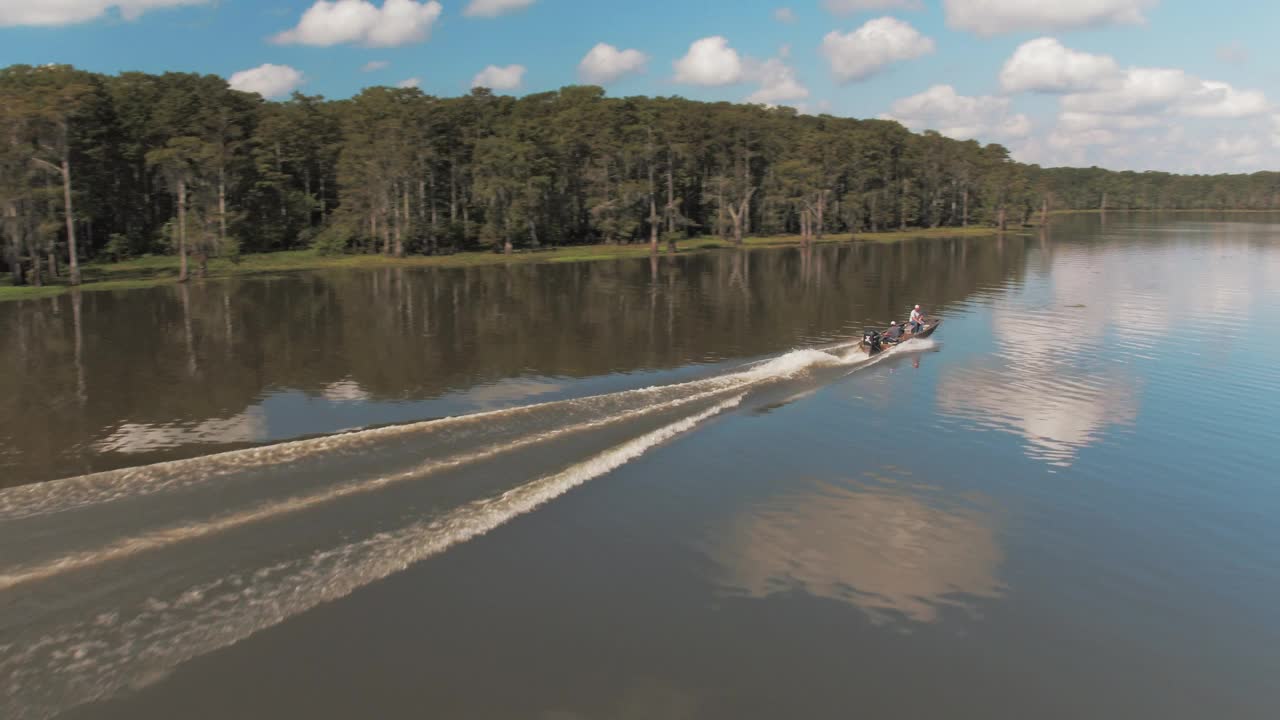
{"x": 177, "y": 174}
{"x": 158, "y": 270}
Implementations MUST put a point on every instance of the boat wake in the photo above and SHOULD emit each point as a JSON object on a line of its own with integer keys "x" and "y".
{"x": 111, "y": 580}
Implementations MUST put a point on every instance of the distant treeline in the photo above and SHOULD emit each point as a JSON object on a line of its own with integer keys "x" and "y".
{"x": 98, "y": 166}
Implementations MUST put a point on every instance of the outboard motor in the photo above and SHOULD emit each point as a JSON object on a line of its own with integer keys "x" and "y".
{"x": 872, "y": 340}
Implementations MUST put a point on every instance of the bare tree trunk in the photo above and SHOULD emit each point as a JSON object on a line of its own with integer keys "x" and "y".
{"x": 952, "y": 217}
{"x": 671, "y": 196}
{"x": 31, "y": 232}
{"x": 822, "y": 209}
{"x": 741, "y": 216}
{"x": 74, "y": 262}
{"x": 902, "y": 205}
{"x": 1044, "y": 211}
{"x": 422, "y": 209}
{"x": 13, "y": 249}
{"x": 720, "y": 207}
{"x": 965, "y": 221}
{"x": 435, "y": 242}
{"x": 653, "y": 213}
{"x": 324, "y": 201}
{"x": 403, "y": 227}
{"x": 1001, "y": 218}
{"x": 222, "y": 209}
{"x": 453, "y": 191}
{"x": 387, "y": 217}
{"x": 182, "y": 230}
{"x": 37, "y": 277}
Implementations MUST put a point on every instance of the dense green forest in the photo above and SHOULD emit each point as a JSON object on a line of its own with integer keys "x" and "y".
{"x": 106, "y": 167}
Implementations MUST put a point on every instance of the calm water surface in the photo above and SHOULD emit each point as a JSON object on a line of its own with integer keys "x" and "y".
{"x": 659, "y": 489}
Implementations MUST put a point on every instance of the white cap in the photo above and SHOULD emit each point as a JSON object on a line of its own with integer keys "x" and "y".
{"x": 895, "y": 322}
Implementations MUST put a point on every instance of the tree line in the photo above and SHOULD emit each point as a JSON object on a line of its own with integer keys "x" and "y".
{"x": 99, "y": 166}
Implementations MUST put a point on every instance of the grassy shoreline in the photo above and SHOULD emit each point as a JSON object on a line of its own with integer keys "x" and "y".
{"x": 152, "y": 271}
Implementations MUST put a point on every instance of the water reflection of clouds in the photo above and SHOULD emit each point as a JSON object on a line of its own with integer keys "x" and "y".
{"x": 1047, "y": 384}
{"x": 246, "y": 427}
{"x": 1056, "y": 418}
{"x": 506, "y": 392}
{"x": 1062, "y": 376}
{"x": 347, "y": 390}
{"x": 881, "y": 549}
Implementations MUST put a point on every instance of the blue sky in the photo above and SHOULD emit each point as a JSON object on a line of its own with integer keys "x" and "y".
{"x": 1162, "y": 84}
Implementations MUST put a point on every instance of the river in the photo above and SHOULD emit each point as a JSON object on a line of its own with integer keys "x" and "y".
{"x": 661, "y": 488}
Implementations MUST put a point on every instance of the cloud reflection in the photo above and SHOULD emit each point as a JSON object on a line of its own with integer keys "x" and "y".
{"x": 246, "y": 427}
{"x": 879, "y": 549}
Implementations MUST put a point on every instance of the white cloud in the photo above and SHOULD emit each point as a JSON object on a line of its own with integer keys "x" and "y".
{"x": 1064, "y": 138}
{"x": 1134, "y": 90}
{"x": 1169, "y": 139}
{"x": 1078, "y": 122}
{"x": 494, "y": 8}
{"x": 784, "y": 15}
{"x": 412, "y": 82}
{"x": 992, "y": 17}
{"x": 867, "y": 50}
{"x": 1166, "y": 90}
{"x": 1219, "y": 100}
{"x": 335, "y": 22}
{"x": 1094, "y": 86}
{"x": 605, "y": 63}
{"x": 67, "y": 12}
{"x": 778, "y": 84}
{"x": 269, "y": 81}
{"x": 710, "y": 61}
{"x": 959, "y": 116}
{"x": 500, "y": 78}
{"x": 1236, "y": 146}
{"x": 375, "y": 65}
{"x": 845, "y": 7}
{"x": 1044, "y": 65}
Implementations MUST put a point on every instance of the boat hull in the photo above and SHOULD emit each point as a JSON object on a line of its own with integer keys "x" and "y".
{"x": 925, "y": 332}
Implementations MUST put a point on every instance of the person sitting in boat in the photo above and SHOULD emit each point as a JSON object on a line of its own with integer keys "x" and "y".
{"x": 917, "y": 320}
{"x": 894, "y": 333}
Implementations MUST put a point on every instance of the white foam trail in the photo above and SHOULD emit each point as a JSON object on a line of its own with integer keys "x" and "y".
{"x": 96, "y": 658}
{"x": 170, "y": 536}
{"x": 70, "y": 493}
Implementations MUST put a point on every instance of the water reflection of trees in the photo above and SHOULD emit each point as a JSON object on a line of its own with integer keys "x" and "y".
{"x": 75, "y": 369}
{"x": 883, "y": 550}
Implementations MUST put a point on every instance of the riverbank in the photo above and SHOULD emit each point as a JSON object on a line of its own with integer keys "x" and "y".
{"x": 157, "y": 270}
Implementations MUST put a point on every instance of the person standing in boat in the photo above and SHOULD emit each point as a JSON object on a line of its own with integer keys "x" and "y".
{"x": 917, "y": 320}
